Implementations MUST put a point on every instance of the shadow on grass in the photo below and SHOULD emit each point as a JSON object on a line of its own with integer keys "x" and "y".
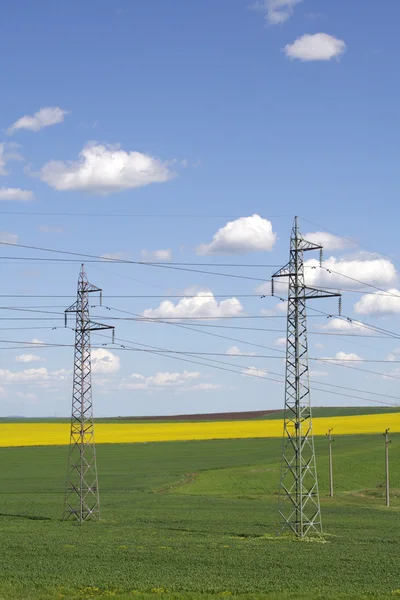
{"x": 29, "y": 517}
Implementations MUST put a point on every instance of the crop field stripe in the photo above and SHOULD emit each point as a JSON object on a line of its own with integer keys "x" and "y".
{"x": 56, "y": 434}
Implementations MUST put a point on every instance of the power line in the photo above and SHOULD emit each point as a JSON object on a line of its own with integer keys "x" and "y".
{"x": 135, "y": 215}
{"x": 145, "y": 296}
{"x": 261, "y": 329}
{"x": 353, "y": 241}
{"x": 154, "y": 350}
{"x": 141, "y": 262}
{"x": 148, "y": 264}
{"x": 379, "y": 289}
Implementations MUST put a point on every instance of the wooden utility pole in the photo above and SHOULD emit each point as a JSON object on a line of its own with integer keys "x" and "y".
{"x": 330, "y": 439}
{"x": 387, "y": 442}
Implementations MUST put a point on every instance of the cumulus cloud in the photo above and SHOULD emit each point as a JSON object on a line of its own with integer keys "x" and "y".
{"x": 276, "y": 11}
{"x": 28, "y": 358}
{"x": 8, "y": 238}
{"x": 319, "y": 46}
{"x": 246, "y": 234}
{"x": 327, "y": 240}
{"x": 282, "y": 307}
{"x": 280, "y": 289}
{"x": 235, "y": 351}
{"x": 16, "y": 194}
{"x": 202, "y": 305}
{"x": 337, "y": 325}
{"x": 342, "y": 357}
{"x": 27, "y": 397}
{"x": 203, "y": 387}
{"x": 45, "y": 117}
{"x": 104, "y": 361}
{"x": 8, "y": 152}
{"x": 105, "y": 169}
{"x": 162, "y": 379}
{"x": 3, "y": 170}
{"x": 33, "y": 375}
{"x": 162, "y": 255}
{"x": 254, "y": 372}
{"x": 318, "y": 374}
{"x": 336, "y": 272}
{"x": 379, "y": 303}
{"x": 394, "y": 355}
{"x": 280, "y": 342}
{"x": 114, "y": 256}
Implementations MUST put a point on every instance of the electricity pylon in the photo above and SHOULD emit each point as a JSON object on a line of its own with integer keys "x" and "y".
{"x": 387, "y": 483}
{"x": 82, "y": 500}
{"x": 299, "y": 507}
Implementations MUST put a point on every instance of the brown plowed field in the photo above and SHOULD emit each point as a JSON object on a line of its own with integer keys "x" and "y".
{"x": 232, "y": 416}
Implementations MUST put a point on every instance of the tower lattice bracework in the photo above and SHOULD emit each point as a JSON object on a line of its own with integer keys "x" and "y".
{"x": 82, "y": 500}
{"x": 299, "y": 506}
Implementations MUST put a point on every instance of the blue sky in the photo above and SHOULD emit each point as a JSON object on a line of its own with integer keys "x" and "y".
{"x": 213, "y": 108}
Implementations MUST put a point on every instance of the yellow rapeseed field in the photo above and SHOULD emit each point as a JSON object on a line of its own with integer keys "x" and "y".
{"x": 122, "y": 432}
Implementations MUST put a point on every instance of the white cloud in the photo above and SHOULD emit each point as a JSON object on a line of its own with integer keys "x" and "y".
{"x": 156, "y": 255}
{"x": 346, "y": 356}
{"x": 8, "y": 152}
{"x": 346, "y": 326}
{"x": 28, "y": 358}
{"x": 342, "y": 357}
{"x": 50, "y": 229}
{"x": 12, "y": 151}
{"x": 105, "y": 169}
{"x": 277, "y": 11}
{"x": 3, "y": 170}
{"x": 16, "y": 194}
{"x": 204, "y": 387}
{"x": 254, "y": 372}
{"x": 319, "y": 346}
{"x": 160, "y": 380}
{"x": 319, "y": 46}
{"x": 327, "y": 240}
{"x": 114, "y": 256}
{"x": 30, "y": 375}
{"x": 267, "y": 312}
{"x": 104, "y": 361}
{"x": 317, "y": 374}
{"x": 8, "y": 238}
{"x": 27, "y": 397}
{"x": 202, "y": 305}
{"x": 379, "y": 303}
{"x": 235, "y": 351}
{"x": 280, "y": 289}
{"x": 282, "y": 307}
{"x": 394, "y": 355}
{"x": 375, "y": 271}
{"x": 280, "y": 342}
{"x": 246, "y": 234}
{"x": 49, "y": 115}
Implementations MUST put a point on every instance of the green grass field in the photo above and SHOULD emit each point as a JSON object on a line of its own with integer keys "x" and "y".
{"x": 195, "y": 520}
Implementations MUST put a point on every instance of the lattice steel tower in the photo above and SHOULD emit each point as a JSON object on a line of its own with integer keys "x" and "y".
{"x": 82, "y": 500}
{"x": 299, "y": 507}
